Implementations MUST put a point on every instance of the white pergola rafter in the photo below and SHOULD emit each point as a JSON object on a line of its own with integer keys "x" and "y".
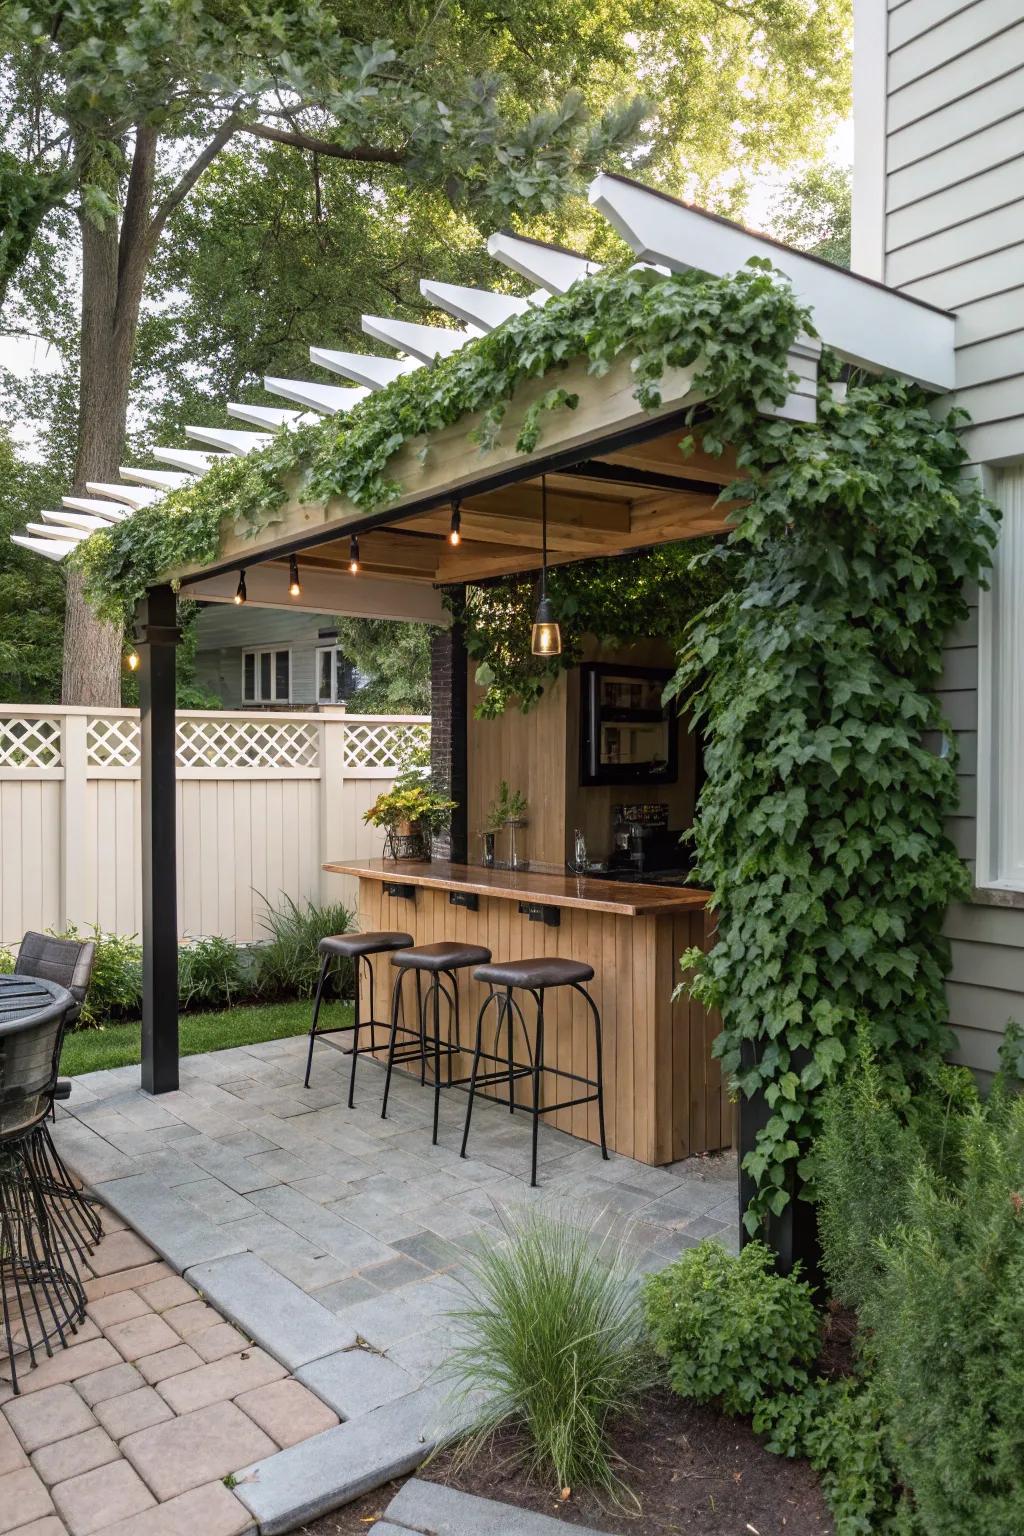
{"x": 868, "y": 324}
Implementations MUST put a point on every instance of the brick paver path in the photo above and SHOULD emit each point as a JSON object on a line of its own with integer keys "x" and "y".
{"x": 134, "y": 1428}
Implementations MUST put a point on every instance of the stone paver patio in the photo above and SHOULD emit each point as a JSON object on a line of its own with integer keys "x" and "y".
{"x": 334, "y": 1240}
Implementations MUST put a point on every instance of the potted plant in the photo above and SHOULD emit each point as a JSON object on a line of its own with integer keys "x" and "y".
{"x": 409, "y": 813}
{"x": 507, "y": 809}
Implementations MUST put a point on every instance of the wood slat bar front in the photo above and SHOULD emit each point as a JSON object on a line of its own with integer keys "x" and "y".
{"x": 663, "y": 1090}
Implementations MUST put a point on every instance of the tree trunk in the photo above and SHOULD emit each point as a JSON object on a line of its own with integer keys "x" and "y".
{"x": 113, "y": 271}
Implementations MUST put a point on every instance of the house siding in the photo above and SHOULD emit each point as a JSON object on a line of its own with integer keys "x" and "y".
{"x": 944, "y": 88}
{"x": 225, "y": 632}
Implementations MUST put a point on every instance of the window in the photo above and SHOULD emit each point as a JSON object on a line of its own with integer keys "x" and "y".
{"x": 1001, "y": 700}
{"x": 266, "y": 677}
{"x": 335, "y": 676}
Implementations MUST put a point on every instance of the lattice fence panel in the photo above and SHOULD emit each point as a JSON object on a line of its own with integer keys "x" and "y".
{"x": 29, "y": 743}
{"x": 377, "y": 744}
{"x": 112, "y": 742}
{"x": 246, "y": 744}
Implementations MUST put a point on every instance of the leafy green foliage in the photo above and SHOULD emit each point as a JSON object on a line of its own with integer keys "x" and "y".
{"x": 654, "y": 592}
{"x": 813, "y": 213}
{"x": 730, "y": 1329}
{"x": 211, "y": 973}
{"x": 6, "y": 962}
{"x": 31, "y": 590}
{"x": 115, "y": 987}
{"x": 553, "y": 1339}
{"x": 394, "y": 657}
{"x": 507, "y": 805}
{"x": 740, "y": 329}
{"x": 947, "y": 1332}
{"x": 821, "y": 824}
{"x": 288, "y": 964}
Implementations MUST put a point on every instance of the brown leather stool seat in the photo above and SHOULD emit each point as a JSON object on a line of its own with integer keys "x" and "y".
{"x": 348, "y": 946}
{"x": 545, "y": 971}
{"x": 359, "y": 948}
{"x": 441, "y": 957}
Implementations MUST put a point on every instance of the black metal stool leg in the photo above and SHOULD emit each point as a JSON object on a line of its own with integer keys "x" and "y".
{"x": 475, "y": 1067}
{"x": 538, "y": 1067}
{"x": 599, "y": 1060}
{"x": 395, "y": 996}
{"x": 437, "y": 1053}
{"x": 316, "y": 1014}
{"x": 356, "y": 1025}
{"x": 421, "y": 1019}
{"x": 509, "y": 1021}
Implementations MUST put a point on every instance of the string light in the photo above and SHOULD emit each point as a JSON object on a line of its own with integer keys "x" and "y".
{"x": 294, "y": 584}
{"x": 353, "y": 555}
{"x": 455, "y": 531}
{"x": 133, "y": 661}
{"x": 240, "y": 592}
{"x": 546, "y": 639}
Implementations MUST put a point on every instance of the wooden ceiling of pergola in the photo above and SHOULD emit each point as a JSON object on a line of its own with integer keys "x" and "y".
{"x": 616, "y": 501}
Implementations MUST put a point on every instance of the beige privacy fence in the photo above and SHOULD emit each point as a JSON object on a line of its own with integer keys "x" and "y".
{"x": 262, "y": 801}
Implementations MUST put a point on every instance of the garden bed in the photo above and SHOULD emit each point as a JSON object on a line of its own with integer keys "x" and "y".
{"x": 693, "y": 1471}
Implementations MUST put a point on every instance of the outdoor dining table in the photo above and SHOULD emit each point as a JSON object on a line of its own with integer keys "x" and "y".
{"x": 23, "y": 995}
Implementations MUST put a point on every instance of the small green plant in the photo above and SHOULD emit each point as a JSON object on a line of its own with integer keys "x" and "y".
{"x": 6, "y": 962}
{"x": 553, "y": 1340}
{"x": 115, "y": 988}
{"x": 416, "y": 804}
{"x": 210, "y": 973}
{"x": 730, "y": 1328}
{"x": 508, "y": 805}
{"x": 288, "y": 965}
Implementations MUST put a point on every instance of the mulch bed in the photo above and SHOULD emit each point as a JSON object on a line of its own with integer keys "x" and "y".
{"x": 692, "y": 1471}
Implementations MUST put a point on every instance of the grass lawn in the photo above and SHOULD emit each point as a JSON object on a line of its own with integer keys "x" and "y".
{"x": 118, "y": 1045}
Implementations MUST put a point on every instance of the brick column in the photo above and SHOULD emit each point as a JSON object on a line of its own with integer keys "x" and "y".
{"x": 448, "y": 706}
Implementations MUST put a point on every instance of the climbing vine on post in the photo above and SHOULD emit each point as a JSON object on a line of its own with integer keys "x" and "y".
{"x": 830, "y": 770}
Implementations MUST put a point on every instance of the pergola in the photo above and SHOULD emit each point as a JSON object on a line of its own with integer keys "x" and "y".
{"x": 615, "y": 482}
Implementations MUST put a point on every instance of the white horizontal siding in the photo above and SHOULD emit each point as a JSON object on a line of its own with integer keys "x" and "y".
{"x": 946, "y": 39}
{"x": 909, "y": 18}
{"x": 960, "y": 245}
{"x": 939, "y": 216}
{"x": 997, "y": 315}
{"x": 955, "y": 119}
{"x": 996, "y": 57}
{"x": 952, "y": 173}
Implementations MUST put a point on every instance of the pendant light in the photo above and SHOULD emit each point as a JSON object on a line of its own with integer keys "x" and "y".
{"x": 240, "y": 592}
{"x": 547, "y": 637}
{"x": 455, "y": 531}
{"x": 353, "y": 555}
{"x": 294, "y": 584}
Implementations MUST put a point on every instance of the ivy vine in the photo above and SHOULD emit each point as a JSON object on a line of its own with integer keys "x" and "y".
{"x": 830, "y": 769}
{"x": 738, "y": 331}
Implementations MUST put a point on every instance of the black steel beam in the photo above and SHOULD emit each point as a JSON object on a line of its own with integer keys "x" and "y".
{"x": 157, "y": 636}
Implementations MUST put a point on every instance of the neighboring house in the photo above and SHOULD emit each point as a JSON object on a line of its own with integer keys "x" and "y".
{"x": 258, "y": 658}
{"x": 939, "y": 214}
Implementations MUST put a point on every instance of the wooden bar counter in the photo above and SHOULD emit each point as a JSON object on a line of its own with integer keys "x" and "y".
{"x": 663, "y": 1091}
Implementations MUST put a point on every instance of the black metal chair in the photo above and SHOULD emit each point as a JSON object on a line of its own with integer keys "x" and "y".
{"x": 69, "y": 963}
{"x": 436, "y": 961}
{"x": 354, "y": 947}
{"x": 535, "y": 977}
{"x": 41, "y": 1295}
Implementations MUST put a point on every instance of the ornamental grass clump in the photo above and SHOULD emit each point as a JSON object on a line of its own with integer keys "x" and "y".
{"x": 288, "y": 964}
{"x": 730, "y": 1329}
{"x": 553, "y": 1347}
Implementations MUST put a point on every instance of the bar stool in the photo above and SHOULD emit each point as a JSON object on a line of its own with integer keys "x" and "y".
{"x": 436, "y": 961}
{"x": 354, "y": 947}
{"x": 536, "y": 977}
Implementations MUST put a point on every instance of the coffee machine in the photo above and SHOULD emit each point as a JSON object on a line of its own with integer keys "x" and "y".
{"x": 643, "y": 843}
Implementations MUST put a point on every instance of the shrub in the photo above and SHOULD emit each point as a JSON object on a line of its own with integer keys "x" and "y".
{"x": 210, "y": 973}
{"x": 6, "y": 962}
{"x": 115, "y": 989}
{"x": 731, "y": 1329}
{"x": 288, "y": 964}
{"x": 947, "y": 1326}
{"x": 553, "y": 1338}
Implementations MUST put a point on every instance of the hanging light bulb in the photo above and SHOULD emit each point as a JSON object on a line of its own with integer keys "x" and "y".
{"x": 294, "y": 584}
{"x": 546, "y": 639}
{"x": 455, "y": 531}
{"x": 133, "y": 661}
{"x": 240, "y": 592}
{"x": 353, "y": 555}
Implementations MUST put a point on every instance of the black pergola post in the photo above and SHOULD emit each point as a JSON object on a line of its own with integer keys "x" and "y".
{"x": 449, "y": 704}
{"x": 157, "y": 635}
{"x": 794, "y": 1234}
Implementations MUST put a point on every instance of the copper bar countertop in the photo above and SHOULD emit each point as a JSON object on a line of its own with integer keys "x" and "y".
{"x": 624, "y": 898}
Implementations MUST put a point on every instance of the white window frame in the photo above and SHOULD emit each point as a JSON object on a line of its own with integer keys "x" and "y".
{"x": 1000, "y": 823}
{"x": 332, "y": 649}
{"x": 273, "y": 651}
